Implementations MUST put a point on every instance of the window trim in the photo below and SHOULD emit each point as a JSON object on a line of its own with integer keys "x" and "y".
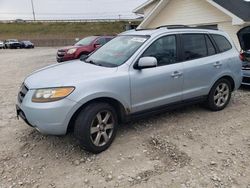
{"x": 178, "y": 51}
{"x": 219, "y": 51}
{"x": 204, "y": 35}
{"x": 207, "y": 36}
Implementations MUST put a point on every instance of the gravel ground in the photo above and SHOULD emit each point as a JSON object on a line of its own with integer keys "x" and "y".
{"x": 189, "y": 147}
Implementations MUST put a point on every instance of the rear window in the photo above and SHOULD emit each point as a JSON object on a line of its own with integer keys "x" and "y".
{"x": 222, "y": 43}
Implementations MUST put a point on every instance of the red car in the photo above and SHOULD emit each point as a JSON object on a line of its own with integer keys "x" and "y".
{"x": 82, "y": 48}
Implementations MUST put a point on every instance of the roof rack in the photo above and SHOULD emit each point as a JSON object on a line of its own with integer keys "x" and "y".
{"x": 172, "y": 26}
{"x": 185, "y": 27}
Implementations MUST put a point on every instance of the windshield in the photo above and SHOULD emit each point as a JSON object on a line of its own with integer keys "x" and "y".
{"x": 86, "y": 41}
{"x": 117, "y": 51}
{"x": 12, "y": 40}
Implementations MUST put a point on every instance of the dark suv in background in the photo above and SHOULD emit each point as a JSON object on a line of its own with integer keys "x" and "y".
{"x": 26, "y": 44}
{"x": 244, "y": 39}
{"x": 12, "y": 43}
{"x": 82, "y": 48}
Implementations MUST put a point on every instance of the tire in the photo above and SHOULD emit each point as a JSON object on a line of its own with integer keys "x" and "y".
{"x": 101, "y": 118}
{"x": 220, "y": 95}
{"x": 83, "y": 56}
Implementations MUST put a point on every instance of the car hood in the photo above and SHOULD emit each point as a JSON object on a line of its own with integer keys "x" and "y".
{"x": 69, "y": 47}
{"x": 66, "y": 74}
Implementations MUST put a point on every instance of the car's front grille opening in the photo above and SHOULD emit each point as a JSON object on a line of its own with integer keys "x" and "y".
{"x": 23, "y": 91}
{"x": 246, "y": 80}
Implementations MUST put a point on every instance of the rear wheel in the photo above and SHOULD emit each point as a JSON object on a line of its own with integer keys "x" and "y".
{"x": 96, "y": 127}
{"x": 219, "y": 95}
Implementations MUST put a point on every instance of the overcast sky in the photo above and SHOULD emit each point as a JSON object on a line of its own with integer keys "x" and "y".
{"x": 68, "y": 9}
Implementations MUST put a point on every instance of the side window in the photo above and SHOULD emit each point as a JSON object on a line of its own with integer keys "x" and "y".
{"x": 164, "y": 50}
{"x": 222, "y": 43}
{"x": 210, "y": 47}
{"x": 194, "y": 46}
{"x": 108, "y": 39}
{"x": 101, "y": 41}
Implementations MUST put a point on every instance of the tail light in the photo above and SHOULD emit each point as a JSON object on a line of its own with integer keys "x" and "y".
{"x": 242, "y": 57}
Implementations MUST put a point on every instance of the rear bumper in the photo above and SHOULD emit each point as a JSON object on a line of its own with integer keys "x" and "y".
{"x": 246, "y": 77}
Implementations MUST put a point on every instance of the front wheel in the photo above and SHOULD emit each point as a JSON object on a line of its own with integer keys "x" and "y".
{"x": 96, "y": 127}
{"x": 219, "y": 95}
{"x": 83, "y": 56}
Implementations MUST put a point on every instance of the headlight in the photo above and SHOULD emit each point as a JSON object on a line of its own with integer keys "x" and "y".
{"x": 51, "y": 94}
{"x": 71, "y": 51}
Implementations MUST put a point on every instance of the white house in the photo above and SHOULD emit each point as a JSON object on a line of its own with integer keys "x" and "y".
{"x": 227, "y": 15}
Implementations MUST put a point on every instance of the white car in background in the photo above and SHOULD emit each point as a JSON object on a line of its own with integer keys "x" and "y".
{"x": 1, "y": 45}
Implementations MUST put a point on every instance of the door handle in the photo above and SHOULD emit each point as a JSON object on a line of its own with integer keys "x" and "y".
{"x": 217, "y": 64}
{"x": 176, "y": 74}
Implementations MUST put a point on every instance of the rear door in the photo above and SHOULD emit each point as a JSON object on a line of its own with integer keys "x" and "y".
{"x": 200, "y": 65}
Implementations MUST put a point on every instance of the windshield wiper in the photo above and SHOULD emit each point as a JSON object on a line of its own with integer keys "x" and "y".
{"x": 93, "y": 63}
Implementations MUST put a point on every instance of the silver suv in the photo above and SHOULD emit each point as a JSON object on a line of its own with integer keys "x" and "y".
{"x": 137, "y": 73}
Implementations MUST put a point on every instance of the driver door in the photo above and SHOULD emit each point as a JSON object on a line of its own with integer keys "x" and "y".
{"x": 161, "y": 85}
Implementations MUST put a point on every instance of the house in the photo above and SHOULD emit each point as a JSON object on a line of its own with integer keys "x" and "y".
{"x": 227, "y": 15}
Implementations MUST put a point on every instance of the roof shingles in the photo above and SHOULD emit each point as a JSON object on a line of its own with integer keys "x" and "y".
{"x": 240, "y": 8}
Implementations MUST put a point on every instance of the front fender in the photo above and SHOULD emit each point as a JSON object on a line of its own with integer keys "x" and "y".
{"x": 92, "y": 97}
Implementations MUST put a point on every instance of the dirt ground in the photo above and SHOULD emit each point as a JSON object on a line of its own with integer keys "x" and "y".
{"x": 189, "y": 147}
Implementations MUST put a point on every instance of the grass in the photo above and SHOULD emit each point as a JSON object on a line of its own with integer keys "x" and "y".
{"x": 58, "y": 30}
{"x": 58, "y": 33}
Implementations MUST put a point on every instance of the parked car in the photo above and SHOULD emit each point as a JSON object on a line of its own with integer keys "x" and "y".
{"x": 244, "y": 38}
{"x": 82, "y": 48}
{"x": 26, "y": 44}
{"x": 137, "y": 73}
{"x": 12, "y": 43}
{"x": 1, "y": 44}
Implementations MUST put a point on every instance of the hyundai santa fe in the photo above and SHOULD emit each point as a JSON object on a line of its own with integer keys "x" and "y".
{"x": 138, "y": 73}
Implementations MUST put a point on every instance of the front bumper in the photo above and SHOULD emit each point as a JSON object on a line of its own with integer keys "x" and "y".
{"x": 48, "y": 118}
{"x": 64, "y": 58}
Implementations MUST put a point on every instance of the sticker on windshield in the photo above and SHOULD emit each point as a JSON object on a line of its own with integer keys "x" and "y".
{"x": 138, "y": 39}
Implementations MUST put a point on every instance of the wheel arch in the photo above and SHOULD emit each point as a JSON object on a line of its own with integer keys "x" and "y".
{"x": 229, "y": 78}
{"x": 119, "y": 107}
{"x": 82, "y": 53}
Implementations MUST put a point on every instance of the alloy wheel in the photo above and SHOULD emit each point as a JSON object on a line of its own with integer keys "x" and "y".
{"x": 221, "y": 94}
{"x": 102, "y": 127}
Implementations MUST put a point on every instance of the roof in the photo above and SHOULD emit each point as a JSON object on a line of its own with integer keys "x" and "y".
{"x": 170, "y": 29}
{"x": 239, "y": 8}
{"x": 140, "y": 9}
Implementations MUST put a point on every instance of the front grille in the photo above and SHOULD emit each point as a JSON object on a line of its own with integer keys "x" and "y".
{"x": 246, "y": 80}
{"x": 23, "y": 91}
{"x": 61, "y": 53}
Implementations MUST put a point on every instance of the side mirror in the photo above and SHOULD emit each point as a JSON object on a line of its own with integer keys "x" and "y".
{"x": 146, "y": 62}
{"x": 97, "y": 45}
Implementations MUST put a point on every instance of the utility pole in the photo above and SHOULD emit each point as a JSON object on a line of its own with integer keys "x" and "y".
{"x": 33, "y": 11}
